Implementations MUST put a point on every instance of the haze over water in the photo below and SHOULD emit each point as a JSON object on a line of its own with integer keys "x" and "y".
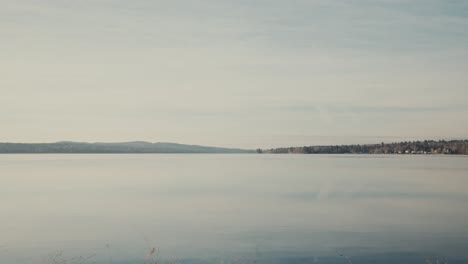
{"x": 206, "y": 207}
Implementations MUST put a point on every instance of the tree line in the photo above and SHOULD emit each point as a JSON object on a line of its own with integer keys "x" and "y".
{"x": 455, "y": 147}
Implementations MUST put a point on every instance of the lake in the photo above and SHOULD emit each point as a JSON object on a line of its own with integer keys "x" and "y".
{"x": 233, "y": 208}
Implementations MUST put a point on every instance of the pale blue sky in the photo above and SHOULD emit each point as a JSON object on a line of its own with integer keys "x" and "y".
{"x": 233, "y": 73}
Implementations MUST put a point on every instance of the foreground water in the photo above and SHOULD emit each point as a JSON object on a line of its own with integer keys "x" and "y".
{"x": 227, "y": 208}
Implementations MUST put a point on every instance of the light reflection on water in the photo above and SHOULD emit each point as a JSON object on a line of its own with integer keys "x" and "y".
{"x": 225, "y": 206}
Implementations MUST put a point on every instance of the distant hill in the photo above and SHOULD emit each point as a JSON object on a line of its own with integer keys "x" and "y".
{"x": 123, "y": 147}
{"x": 455, "y": 147}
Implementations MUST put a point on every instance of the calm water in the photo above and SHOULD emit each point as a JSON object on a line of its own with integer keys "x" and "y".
{"x": 213, "y": 208}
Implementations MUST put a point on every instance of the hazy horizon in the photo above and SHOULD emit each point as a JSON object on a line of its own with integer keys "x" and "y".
{"x": 221, "y": 146}
{"x": 242, "y": 74}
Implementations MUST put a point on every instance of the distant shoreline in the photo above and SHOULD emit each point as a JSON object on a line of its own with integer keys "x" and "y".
{"x": 134, "y": 147}
{"x": 426, "y": 147}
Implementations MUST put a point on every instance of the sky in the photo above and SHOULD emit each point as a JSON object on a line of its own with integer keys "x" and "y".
{"x": 243, "y": 73}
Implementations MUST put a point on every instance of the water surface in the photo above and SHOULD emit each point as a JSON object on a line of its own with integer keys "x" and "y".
{"x": 207, "y": 208}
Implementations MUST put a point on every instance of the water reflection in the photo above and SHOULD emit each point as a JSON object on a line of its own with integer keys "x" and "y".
{"x": 283, "y": 207}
